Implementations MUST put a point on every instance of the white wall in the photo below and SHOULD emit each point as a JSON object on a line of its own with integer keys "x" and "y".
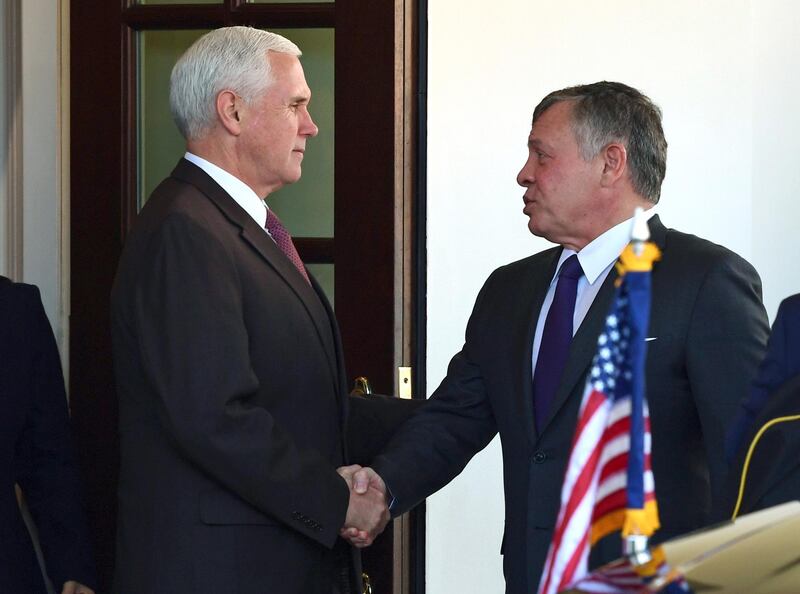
{"x": 776, "y": 148}
{"x": 41, "y": 150}
{"x": 723, "y": 72}
{"x": 43, "y": 253}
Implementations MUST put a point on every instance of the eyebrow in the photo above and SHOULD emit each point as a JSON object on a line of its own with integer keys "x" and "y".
{"x": 536, "y": 143}
{"x": 300, "y": 98}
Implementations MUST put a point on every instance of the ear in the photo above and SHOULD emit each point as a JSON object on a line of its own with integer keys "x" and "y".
{"x": 615, "y": 161}
{"x": 229, "y": 105}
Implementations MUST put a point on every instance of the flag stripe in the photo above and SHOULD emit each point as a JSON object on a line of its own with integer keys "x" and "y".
{"x": 591, "y": 423}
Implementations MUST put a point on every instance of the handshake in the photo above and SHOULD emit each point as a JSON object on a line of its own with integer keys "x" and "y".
{"x": 368, "y": 511}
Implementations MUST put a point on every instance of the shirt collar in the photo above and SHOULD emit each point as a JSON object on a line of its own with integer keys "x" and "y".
{"x": 236, "y": 188}
{"x": 603, "y": 251}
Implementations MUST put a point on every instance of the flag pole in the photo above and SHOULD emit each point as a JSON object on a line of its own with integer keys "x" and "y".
{"x": 635, "y": 540}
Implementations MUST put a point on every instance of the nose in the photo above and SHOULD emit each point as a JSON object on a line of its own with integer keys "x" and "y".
{"x": 308, "y": 127}
{"x": 527, "y": 174}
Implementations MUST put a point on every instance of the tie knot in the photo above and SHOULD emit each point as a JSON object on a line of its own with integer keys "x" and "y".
{"x": 273, "y": 222}
{"x": 571, "y": 268}
{"x": 280, "y": 235}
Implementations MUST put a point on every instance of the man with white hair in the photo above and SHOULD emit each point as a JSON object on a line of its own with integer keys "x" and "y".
{"x": 232, "y": 397}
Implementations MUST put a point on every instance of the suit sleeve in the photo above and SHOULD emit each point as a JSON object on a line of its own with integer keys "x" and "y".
{"x": 195, "y": 352}
{"x": 436, "y": 443}
{"x": 774, "y": 369}
{"x": 371, "y": 423}
{"x": 727, "y": 336}
{"x": 781, "y": 363}
{"x": 46, "y": 468}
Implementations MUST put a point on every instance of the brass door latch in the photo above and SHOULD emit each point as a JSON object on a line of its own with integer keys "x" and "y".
{"x": 361, "y": 386}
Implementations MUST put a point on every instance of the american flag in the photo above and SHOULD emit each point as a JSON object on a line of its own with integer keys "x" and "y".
{"x": 609, "y": 481}
{"x": 622, "y": 577}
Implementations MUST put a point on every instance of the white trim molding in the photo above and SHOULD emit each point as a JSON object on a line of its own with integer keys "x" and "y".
{"x": 64, "y": 182}
{"x": 12, "y": 248}
{"x": 34, "y": 153}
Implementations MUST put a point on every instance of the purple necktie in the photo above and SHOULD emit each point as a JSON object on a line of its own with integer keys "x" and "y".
{"x": 284, "y": 241}
{"x": 556, "y": 338}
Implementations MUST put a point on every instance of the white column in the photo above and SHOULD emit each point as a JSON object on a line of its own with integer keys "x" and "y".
{"x": 41, "y": 152}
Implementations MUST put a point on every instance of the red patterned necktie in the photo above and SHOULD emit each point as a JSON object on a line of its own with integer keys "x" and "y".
{"x": 284, "y": 241}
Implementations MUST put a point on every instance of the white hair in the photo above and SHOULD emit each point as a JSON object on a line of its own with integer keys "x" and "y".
{"x": 232, "y": 58}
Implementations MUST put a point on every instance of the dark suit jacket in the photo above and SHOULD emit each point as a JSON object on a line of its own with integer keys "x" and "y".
{"x": 36, "y": 452}
{"x": 780, "y": 364}
{"x": 710, "y": 330}
{"x": 232, "y": 406}
{"x": 782, "y": 361}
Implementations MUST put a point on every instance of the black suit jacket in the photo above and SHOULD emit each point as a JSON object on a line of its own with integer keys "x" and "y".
{"x": 232, "y": 406}
{"x": 710, "y": 329}
{"x": 36, "y": 452}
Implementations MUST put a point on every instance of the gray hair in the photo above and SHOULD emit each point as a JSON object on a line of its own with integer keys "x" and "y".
{"x": 232, "y": 58}
{"x": 606, "y": 112}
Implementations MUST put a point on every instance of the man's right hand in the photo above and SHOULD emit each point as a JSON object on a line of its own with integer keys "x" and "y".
{"x": 367, "y": 512}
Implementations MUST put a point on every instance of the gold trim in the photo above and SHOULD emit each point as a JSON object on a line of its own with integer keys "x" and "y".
{"x": 750, "y": 451}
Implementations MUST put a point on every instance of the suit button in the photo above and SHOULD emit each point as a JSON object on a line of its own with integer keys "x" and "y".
{"x": 539, "y": 457}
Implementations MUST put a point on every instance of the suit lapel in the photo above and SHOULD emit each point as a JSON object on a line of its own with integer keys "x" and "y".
{"x": 658, "y": 234}
{"x": 340, "y": 377}
{"x": 533, "y": 290}
{"x": 259, "y": 241}
{"x": 273, "y": 256}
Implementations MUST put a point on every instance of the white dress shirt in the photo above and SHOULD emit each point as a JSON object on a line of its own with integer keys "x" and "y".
{"x": 236, "y": 188}
{"x": 596, "y": 259}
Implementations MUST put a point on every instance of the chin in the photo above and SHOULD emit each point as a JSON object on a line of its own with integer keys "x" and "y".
{"x": 292, "y": 177}
{"x": 533, "y": 227}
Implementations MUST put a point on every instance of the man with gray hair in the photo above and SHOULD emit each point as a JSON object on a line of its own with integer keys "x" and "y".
{"x": 232, "y": 399}
{"x": 595, "y": 153}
